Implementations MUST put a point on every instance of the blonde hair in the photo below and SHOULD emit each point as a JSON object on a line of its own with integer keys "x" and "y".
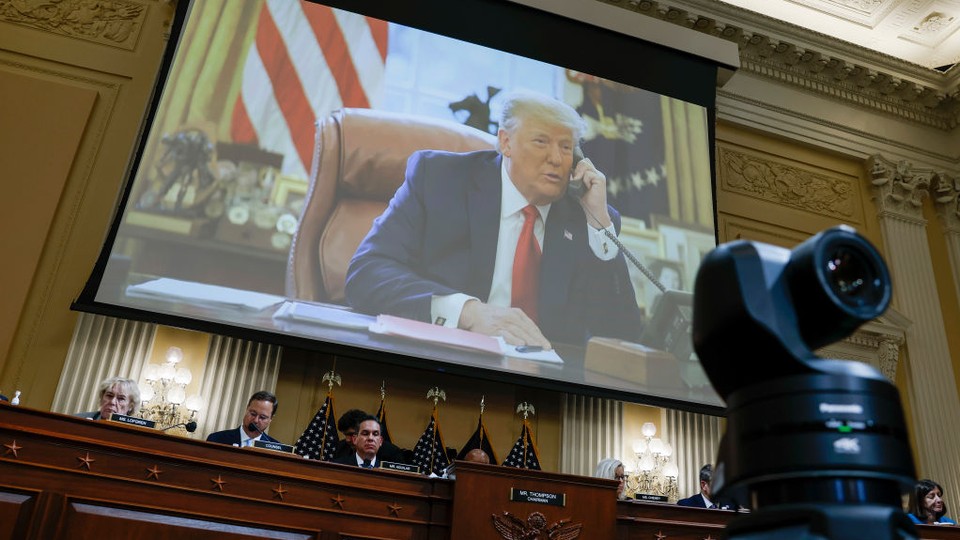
{"x": 520, "y": 104}
{"x": 129, "y": 386}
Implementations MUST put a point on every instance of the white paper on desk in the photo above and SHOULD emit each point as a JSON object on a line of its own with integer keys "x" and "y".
{"x": 203, "y": 294}
{"x": 323, "y": 314}
{"x": 542, "y": 356}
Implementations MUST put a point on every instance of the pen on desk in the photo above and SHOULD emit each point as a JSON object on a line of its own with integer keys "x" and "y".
{"x": 529, "y": 348}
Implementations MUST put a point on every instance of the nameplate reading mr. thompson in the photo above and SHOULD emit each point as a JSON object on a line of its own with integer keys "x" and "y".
{"x": 539, "y": 497}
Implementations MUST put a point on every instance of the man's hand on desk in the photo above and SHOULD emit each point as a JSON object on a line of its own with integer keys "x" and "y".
{"x": 511, "y": 323}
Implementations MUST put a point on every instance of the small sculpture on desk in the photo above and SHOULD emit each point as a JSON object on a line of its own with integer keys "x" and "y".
{"x": 16, "y": 398}
{"x": 184, "y": 177}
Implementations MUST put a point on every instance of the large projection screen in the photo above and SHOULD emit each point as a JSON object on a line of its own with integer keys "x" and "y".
{"x": 282, "y": 130}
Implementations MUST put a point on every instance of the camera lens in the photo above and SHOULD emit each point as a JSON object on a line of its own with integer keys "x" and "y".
{"x": 852, "y": 277}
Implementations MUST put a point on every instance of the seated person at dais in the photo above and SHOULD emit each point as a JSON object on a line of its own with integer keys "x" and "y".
{"x": 261, "y": 408}
{"x": 477, "y": 456}
{"x": 612, "y": 469}
{"x": 117, "y": 395}
{"x": 488, "y": 241}
{"x": 702, "y": 499}
{"x": 368, "y": 441}
{"x": 349, "y": 426}
{"x": 926, "y": 504}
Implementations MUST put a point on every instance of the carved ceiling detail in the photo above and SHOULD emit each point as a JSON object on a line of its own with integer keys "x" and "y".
{"x": 818, "y": 71}
{"x": 785, "y": 185}
{"x": 114, "y": 22}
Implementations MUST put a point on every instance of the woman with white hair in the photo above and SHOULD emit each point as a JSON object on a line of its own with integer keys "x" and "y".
{"x": 612, "y": 469}
{"x": 117, "y": 395}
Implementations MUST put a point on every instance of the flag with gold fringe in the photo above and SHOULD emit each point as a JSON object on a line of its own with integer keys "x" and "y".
{"x": 382, "y": 416}
{"x": 319, "y": 440}
{"x": 430, "y": 454}
{"x": 480, "y": 439}
{"x": 524, "y": 453}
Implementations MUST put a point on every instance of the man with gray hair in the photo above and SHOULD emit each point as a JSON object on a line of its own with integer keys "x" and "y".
{"x": 487, "y": 241}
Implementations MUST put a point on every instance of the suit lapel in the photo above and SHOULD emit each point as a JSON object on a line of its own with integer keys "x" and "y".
{"x": 484, "y": 208}
{"x": 560, "y": 237}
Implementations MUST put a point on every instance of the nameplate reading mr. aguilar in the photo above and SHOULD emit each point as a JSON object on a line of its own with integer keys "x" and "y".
{"x": 402, "y": 467}
{"x": 132, "y": 420}
{"x": 279, "y": 447}
{"x": 539, "y": 497}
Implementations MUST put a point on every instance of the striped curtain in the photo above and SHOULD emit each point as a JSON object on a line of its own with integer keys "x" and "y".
{"x": 695, "y": 439}
{"x": 236, "y": 369}
{"x": 101, "y": 347}
{"x": 590, "y": 431}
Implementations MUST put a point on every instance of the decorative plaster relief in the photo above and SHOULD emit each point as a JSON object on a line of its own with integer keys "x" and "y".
{"x": 108, "y": 22}
{"x": 819, "y": 72}
{"x": 786, "y": 185}
{"x": 946, "y": 198}
{"x": 900, "y": 188}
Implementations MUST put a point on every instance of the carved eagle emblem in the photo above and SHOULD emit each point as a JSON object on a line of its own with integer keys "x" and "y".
{"x": 535, "y": 527}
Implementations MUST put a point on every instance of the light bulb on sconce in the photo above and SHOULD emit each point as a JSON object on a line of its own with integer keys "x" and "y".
{"x": 656, "y": 474}
{"x": 164, "y": 394}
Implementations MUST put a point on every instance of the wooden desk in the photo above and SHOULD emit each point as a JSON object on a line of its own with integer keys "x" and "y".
{"x": 68, "y": 477}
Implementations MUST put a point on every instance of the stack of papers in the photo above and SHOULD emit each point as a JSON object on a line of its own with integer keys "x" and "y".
{"x": 202, "y": 294}
{"x": 323, "y": 314}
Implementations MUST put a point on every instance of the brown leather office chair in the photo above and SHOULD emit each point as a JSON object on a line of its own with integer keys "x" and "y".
{"x": 359, "y": 160}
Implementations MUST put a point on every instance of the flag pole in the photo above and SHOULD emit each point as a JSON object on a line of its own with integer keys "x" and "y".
{"x": 525, "y": 409}
{"x": 436, "y": 394}
{"x": 330, "y": 378}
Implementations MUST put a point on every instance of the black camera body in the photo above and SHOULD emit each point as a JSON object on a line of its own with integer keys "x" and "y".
{"x": 818, "y": 448}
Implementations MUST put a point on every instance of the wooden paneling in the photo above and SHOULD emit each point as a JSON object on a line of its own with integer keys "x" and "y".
{"x": 16, "y": 511}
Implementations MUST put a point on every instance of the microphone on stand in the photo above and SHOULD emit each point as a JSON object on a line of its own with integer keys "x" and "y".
{"x": 253, "y": 427}
{"x": 190, "y": 426}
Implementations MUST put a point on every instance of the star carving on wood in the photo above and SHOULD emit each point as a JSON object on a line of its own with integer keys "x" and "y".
{"x": 85, "y": 461}
{"x": 12, "y": 449}
{"x": 279, "y": 491}
{"x": 394, "y": 509}
{"x": 218, "y": 483}
{"x": 660, "y": 535}
{"x": 708, "y": 537}
{"x": 337, "y": 501}
{"x": 154, "y": 472}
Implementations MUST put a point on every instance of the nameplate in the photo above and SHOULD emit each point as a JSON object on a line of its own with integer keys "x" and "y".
{"x": 650, "y": 497}
{"x": 402, "y": 467}
{"x": 539, "y": 497}
{"x": 133, "y": 420}
{"x": 269, "y": 445}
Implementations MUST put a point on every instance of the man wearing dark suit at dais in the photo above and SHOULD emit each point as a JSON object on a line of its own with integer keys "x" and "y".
{"x": 487, "y": 241}
{"x": 367, "y": 441}
{"x": 261, "y": 408}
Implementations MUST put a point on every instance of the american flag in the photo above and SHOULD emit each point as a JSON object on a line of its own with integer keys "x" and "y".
{"x": 382, "y": 418}
{"x": 305, "y": 61}
{"x": 524, "y": 455}
{"x": 480, "y": 439}
{"x": 319, "y": 440}
{"x": 430, "y": 454}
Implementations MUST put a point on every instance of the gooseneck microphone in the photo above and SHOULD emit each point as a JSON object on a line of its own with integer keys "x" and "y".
{"x": 253, "y": 427}
{"x": 190, "y": 426}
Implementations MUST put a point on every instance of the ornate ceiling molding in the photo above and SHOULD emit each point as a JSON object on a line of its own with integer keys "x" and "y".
{"x": 901, "y": 187}
{"x": 819, "y": 63}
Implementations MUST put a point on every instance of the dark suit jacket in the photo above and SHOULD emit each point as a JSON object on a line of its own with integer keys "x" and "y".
{"x": 695, "y": 501}
{"x": 438, "y": 236}
{"x": 350, "y": 459}
{"x": 232, "y": 437}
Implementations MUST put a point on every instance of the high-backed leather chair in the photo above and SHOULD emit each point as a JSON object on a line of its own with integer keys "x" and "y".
{"x": 359, "y": 160}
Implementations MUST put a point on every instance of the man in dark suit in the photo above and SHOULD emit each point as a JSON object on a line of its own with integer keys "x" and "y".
{"x": 349, "y": 426}
{"x": 261, "y": 408}
{"x": 702, "y": 499}
{"x": 463, "y": 235}
{"x": 368, "y": 441}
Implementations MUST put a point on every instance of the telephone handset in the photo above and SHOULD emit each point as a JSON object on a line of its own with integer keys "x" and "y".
{"x": 575, "y": 188}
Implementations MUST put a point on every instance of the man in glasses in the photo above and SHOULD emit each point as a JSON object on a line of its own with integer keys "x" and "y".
{"x": 261, "y": 408}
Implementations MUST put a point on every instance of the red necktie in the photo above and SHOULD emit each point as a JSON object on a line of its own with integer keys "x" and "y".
{"x": 526, "y": 266}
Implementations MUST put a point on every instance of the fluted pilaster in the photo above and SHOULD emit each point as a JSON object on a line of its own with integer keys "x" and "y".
{"x": 935, "y": 406}
{"x": 946, "y": 198}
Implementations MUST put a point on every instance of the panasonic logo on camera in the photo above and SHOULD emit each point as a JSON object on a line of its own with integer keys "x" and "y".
{"x": 834, "y": 408}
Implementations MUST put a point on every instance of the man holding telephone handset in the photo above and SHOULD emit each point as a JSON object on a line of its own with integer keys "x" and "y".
{"x": 498, "y": 242}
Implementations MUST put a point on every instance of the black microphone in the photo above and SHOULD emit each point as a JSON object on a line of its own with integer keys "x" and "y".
{"x": 190, "y": 426}
{"x": 253, "y": 427}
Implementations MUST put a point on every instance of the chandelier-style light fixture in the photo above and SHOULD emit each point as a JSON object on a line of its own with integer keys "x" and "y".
{"x": 164, "y": 398}
{"x": 655, "y": 478}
